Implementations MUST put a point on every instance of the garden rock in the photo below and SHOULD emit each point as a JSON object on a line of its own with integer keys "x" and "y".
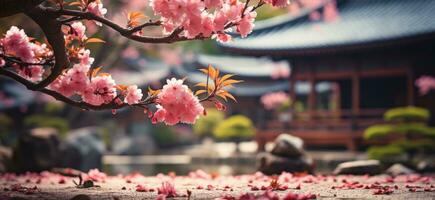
{"x": 399, "y": 169}
{"x": 289, "y": 146}
{"x": 37, "y": 151}
{"x": 426, "y": 165}
{"x": 83, "y": 149}
{"x": 360, "y": 167}
{"x": 135, "y": 143}
{"x": 5, "y": 158}
{"x": 272, "y": 164}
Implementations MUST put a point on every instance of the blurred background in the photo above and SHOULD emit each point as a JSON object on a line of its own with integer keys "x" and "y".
{"x": 339, "y": 77}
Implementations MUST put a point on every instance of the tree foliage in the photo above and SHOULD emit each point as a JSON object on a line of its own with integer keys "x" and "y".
{"x": 406, "y": 134}
{"x": 237, "y": 127}
{"x": 205, "y": 125}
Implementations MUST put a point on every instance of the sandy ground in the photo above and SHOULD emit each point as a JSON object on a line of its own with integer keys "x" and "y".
{"x": 206, "y": 186}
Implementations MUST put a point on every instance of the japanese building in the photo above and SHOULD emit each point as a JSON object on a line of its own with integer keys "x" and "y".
{"x": 344, "y": 73}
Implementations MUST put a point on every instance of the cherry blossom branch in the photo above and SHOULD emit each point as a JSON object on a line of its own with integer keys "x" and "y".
{"x": 80, "y": 104}
{"x": 48, "y": 62}
{"x": 52, "y": 30}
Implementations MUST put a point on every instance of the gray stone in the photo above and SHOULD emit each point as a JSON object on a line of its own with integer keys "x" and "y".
{"x": 399, "y": 169}
{"x": 426, "y": 165}
{"x": 83, "y": 149}
{"x": 5, "y": 158}
{"x": 133, "y": 145}
{"x": 359, "y": 167}
{"x": 289, "y": 146}
{"x": 37, "y": 151}
{"x": 272, "y": 164}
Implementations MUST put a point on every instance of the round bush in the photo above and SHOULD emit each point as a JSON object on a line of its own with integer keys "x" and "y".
{"x": 237, "y": 127}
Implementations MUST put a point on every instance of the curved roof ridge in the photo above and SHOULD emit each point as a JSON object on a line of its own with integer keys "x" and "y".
{"x": 286, "y": 18}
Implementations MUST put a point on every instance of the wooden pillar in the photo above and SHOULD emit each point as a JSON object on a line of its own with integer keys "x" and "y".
{"x": 356, "y": 93}
{"x": 292, "y": 88}
{"x": 312, "y": 95}
{"x": 410, "y": 87}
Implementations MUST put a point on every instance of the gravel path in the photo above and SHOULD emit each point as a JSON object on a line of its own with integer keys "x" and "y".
{"x": 205, "y": 186}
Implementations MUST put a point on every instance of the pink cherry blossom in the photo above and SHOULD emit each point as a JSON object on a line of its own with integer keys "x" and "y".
{"x": 159, "y": 115}
{"x": 330, "y": 12}
{"x": 133, "y": 95}
{"x": 246, "y": 25}
{"x": 2, "y": 62}
{"x": 101, "y": 90}
{"x": 281, "y": 70}
{"x": 167, "y": 189}
{"x": 425, "y": 84}
{"x": 84, "y": 56}
{"x": 17, "y": 43}
{"x": 95, "y": 175}
{"x": 97, "y": 9}
{"x": 223, "y": 37}
{"x": 179, "y": 103}
{"x": 213, "y": 3}
{"x": 278, "y": 3}
{"x": 274, "y": 100}
{"x": 78, "y": 31}
{"x": 31, "y": 72}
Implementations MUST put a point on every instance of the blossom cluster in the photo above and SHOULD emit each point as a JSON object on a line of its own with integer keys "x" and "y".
{"x": 425, "y": 84}
{"x": 207, "y": 18}
{"x": 16, "y": 43}
{"x": 274, "y": 100}
{"x": 96, "y": 8}
{"x": 93, "y": 89}
{"x": 281, "y": 70}
{"x": 176, "y": 103}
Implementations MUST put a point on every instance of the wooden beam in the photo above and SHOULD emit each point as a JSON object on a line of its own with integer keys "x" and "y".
{"x": 339, "y": 75}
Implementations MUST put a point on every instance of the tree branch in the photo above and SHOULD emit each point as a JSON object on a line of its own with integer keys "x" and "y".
{"x": 52, "y": 30}
{"x": 128, "y": 33}
{"x": 12, "y": 7}
{"x": 83, "y": 105}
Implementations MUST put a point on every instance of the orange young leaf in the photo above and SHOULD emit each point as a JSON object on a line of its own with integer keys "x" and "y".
{"x": 94, "y": 71}
{"x": 227, "y": 94}
{"x": 230, "y": 82}
{"x": 75, "y": 3}
{"x": 200, "y": 92}
{"x": 135, "y": 15}
{"x": 222, "y": 96}
{"x": 95, "y": 40}
{"x": 104, "y": 74}
{"x": 152, "y": 92}
{"x": 224, "y": 78}
{"x": 121, "y": 87}
{"x": 201, "y": 85}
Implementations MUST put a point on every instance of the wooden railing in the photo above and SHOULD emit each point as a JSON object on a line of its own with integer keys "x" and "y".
{"x": 343, "y": 128}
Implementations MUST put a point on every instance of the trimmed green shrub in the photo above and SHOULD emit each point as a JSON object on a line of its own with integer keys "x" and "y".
{"x": 415, "y": 145}
{"x": 237, "y": 127}
{"x": 409, "y": 113}
{"x": 416, "y": 129}
{"x": 205, "y": 125}
{"x": 385, "y": 152}
{"x": 416, "y": 139}
{"x": 378, "y": 131}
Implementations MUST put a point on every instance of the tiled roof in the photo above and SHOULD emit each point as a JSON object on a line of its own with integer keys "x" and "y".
{"x": 361, "y": 22}
{"x": 243, "y": 66}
